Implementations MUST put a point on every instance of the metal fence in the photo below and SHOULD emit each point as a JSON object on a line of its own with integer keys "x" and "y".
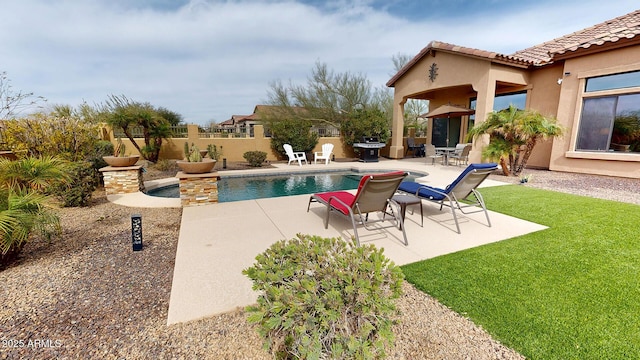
{"x": 181, "y": 131}
{"x": 213, "y": 132}
{"x": 326, "y": 132}
{"x": 177, "y": 131}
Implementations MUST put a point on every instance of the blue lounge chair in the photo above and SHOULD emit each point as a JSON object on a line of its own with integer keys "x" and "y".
{"x": 460, "y": 189}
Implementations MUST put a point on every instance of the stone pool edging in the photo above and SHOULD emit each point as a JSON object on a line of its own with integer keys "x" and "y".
{"x": 141, "y": 199}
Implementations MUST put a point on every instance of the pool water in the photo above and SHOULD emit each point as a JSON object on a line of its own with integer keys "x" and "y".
{"x": 254, "y": 187}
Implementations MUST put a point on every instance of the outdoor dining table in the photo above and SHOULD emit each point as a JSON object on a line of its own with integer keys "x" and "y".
{"x": 446, "y": 151}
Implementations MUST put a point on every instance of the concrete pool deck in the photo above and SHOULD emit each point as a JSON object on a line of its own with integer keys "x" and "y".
{"x": 217, "y": 242}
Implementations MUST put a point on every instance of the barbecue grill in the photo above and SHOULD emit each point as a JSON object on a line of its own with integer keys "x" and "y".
{"x": 369, "y": 148}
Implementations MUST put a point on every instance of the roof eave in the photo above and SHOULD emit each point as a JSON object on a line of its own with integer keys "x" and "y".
{"x": 431, "y": 50}
{"x": 595, "y": 48}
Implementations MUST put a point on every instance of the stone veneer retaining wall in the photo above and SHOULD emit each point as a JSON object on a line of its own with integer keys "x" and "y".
{"x": 198, "y": 189}
{"x": 122, "y": 180}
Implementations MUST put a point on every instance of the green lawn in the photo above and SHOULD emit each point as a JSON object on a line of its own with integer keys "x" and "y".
{"x": 569, "y": 292}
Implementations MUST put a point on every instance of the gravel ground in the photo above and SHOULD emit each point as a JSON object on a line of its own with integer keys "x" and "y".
{"x": 89, "y": 295}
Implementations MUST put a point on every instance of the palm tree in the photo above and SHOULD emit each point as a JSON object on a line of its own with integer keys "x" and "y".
{"x": 32, "y": 173}
{"x": 513, "y": 133}
{"x": 23, "y": 207}
{"x": 123, "y": 114}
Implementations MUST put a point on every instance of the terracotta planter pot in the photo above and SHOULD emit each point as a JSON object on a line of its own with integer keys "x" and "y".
{"x": 201, "y": 167}
{"x": 121, "y": 161}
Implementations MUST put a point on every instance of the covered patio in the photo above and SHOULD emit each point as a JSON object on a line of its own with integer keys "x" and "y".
{"x": 446, "y": 74}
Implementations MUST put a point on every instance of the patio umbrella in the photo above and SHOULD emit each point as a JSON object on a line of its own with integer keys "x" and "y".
{"x": 448, "y": 110}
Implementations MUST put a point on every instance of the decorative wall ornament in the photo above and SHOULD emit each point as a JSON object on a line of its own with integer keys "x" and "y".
{"x": 433, "y": 72}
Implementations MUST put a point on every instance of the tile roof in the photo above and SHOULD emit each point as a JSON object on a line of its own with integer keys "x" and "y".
{"x": 623, "y": 27}
{"x": 611, "y": 31}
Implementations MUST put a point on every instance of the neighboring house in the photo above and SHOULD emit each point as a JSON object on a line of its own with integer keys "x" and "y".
{"x": 240, "y": 123}
{"x": 589, "y": 80}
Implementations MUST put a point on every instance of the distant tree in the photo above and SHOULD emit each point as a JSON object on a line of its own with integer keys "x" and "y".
{"x": 333, "y": 99}
{"x": 327, "y": 97}
{"x": 171, "y": 116}
{"x": 513, "y": 134}
{"x": 399, "y": 61}
{"x": 11, "y": 102}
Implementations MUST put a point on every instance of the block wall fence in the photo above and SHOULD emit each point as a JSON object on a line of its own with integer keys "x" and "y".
{"x": 234, "y": 147}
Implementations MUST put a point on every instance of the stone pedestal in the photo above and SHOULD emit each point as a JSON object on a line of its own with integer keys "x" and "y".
{"x": 122, "y": 179}
{"x": 198, "y": 189}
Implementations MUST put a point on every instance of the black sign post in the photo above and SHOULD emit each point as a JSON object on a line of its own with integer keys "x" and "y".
{"x": 136, "y": 232}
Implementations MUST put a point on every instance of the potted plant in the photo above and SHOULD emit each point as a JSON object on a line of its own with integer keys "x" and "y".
{"x": 193, "y": 162}
{"x": 119, "y": 159}
{"x": 214, "y": 152}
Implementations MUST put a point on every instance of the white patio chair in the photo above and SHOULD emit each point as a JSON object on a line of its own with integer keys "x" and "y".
{"x": 325, "y": 155}
{"x": 462, "y": 157}
{"x": 298, "y": 156}
{"x": 431, "y": 153}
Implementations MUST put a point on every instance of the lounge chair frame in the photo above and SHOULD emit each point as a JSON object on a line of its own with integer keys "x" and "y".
{"x": 374, "y": 195}
{"x": 458, "y": 191}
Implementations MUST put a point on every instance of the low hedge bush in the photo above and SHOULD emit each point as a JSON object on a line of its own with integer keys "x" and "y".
{"x": 325, "y": 298}
{"x": 255, "y": 158}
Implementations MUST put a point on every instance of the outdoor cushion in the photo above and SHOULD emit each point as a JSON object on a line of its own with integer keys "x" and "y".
{"x": 343, "y": 196}
{"x": 425, "y": 191}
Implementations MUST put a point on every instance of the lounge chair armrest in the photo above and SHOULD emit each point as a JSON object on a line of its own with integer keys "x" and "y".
{"x": 335, "y": 199}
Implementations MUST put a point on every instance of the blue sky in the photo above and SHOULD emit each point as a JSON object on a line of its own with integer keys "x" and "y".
{"x": 208, "y": 60}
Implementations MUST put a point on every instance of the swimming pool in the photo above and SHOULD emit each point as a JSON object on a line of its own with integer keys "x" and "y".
{"x": 266, "y": 186}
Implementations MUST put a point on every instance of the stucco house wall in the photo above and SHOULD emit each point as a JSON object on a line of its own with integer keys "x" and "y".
{"x": 552, "y": 74}
{"x": 576, "y": 70}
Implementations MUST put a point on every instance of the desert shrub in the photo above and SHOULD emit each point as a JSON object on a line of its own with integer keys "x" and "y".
{"x": 369, "y": 122}
{"x": 324, "y": 298}
{"x": 100, "y": 148}
{"x": 295, "y": 132}
{"x": 83, "y": 180}
{"x": 69, "y": 137}
{"x": 255, "y": 158}
{"x": 165, "y": 165}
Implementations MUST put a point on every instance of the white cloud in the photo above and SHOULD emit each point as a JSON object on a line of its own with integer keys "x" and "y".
{"x": 213, "y": 59}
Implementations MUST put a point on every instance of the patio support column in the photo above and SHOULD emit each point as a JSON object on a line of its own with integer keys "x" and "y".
{"x": 396, "y": 151}
{"x": 486, "y": 90}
